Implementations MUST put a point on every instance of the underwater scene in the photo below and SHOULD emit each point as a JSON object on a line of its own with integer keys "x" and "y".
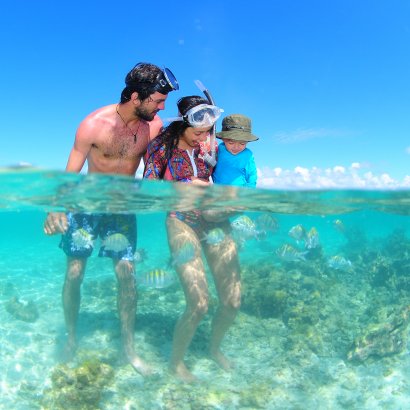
{"x": 325, "y": 299}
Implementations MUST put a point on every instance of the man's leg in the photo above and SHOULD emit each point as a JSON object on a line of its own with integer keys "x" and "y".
{"x": 71, "y": 300}
{"x": 127, "y": 308}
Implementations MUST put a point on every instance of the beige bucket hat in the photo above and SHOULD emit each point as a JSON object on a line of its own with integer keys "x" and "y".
{"x": 237, "y": 127}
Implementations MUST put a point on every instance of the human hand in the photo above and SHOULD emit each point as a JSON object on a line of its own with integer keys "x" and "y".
{"x": 198, "y": 181}
{"x": 56, "y": 222}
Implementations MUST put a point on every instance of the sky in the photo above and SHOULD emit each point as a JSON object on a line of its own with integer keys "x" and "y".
{"x": 326, "y": 83}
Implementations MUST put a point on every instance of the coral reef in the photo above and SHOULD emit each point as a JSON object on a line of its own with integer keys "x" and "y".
{"x": 81, "y": 387}
{"x": 382, "y": 339}
{"x": 22, "y": 310}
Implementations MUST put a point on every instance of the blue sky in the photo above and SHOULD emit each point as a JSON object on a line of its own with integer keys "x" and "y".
{"x": 326, "y": 83}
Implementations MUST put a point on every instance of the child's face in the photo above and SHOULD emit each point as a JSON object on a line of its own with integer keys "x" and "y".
{"x": 234, "y": 147}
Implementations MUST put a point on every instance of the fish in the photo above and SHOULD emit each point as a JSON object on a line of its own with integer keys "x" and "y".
{"x": 82, "y": 239}
{"x": 290, "y": 254}
{"x": 298, "y": 232}
{"x": 214, "y": 236}
{"x": 183, "y": 255}
{"x": 312, "y": 239}
{"x": 116, "y": 242}
{"x": 339, "y": 225}
{"x": 244, "y": 227}
{"x": 266, "y": 222}
{"x": 156, "y": 278}
{"x": 339, "y": 262}
{"x": 140, "y": 255}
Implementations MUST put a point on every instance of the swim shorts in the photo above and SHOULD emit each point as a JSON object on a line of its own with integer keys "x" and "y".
{"x": 118, "y": 234}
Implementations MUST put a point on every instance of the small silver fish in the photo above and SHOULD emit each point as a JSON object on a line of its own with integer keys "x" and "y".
{"x": 289, "y": 254}
{"x": 298, "y": 232}
{"x": 339, "y": 225}
{"x": 82, "y": 239}
{"x": 140, "y": 255}
{"x": 340, "y": 263}
{"x": 267, "y": 223}
{"x": 116, "y": 242}
{"x": 214, "y": 236}
{"x": 183, "y": 255}
{"x": 244, "y": 227}
{"x": 312, "y": 239}
{"x": 157, "y": 278}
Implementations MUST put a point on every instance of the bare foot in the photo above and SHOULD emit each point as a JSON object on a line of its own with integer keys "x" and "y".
{"x": 182, "y": 373}
{"x": 140, "y": 366}
{"x": 68, "y": 351}
{"x": 222, "y": 361}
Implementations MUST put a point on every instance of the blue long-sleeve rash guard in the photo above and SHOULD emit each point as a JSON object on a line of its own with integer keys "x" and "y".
{"x": 237, "y": 169}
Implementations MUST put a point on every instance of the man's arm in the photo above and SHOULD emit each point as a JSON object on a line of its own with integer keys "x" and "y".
{"x": 155, "y": 127}
{"x": 81, "y": 148}
{"x": 56, "y": 222}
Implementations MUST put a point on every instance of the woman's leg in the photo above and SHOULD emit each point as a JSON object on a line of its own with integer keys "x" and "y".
{"x": 224, "y": 264}
{"x": 195, "y": 287}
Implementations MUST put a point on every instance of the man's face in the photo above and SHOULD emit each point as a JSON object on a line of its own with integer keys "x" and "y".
{"x": 150, "y": 106}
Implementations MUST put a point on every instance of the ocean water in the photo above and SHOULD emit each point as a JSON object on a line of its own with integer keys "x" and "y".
{"x": 323, "y": 324}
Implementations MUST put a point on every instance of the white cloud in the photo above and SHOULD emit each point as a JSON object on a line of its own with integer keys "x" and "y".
{"x": 307, "y": 134}
{"x": 337, "y": 177}
{"x": 339, "y": 170}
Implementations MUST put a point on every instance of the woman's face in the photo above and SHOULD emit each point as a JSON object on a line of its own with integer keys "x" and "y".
{"x": 191, "y": 137}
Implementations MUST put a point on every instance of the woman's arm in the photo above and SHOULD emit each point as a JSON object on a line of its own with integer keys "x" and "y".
{"x": 155, "y": 162}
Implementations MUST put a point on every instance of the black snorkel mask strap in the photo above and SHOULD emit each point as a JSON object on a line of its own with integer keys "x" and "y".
{"x": 210, "y": 158}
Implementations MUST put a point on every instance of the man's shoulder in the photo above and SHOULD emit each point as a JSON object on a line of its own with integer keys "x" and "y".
{"x": 102, "y": 114}
{"x": 97, "y": 123}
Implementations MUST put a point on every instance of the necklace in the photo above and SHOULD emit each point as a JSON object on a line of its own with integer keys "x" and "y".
{"x": 129, "y": 129}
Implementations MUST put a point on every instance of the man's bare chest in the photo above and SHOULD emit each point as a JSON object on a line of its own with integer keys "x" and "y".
{"x": 122, "y": 146}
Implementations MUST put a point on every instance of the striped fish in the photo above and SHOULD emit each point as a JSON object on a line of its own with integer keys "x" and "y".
{"x": 157, "y": 279}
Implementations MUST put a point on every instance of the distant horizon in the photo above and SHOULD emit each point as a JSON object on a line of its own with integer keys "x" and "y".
{"x": 338, "y": 178}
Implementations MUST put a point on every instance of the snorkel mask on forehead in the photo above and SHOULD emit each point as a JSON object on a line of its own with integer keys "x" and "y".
{"x": 203, "y": 115}
{"x": 200, "y": 116}
{"x": 166, "y": 82}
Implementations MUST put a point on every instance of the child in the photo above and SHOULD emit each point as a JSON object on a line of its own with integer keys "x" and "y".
{"x": 236, "y": 164}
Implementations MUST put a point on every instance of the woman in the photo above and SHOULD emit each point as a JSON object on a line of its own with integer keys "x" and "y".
{"x": 176, "y": 155}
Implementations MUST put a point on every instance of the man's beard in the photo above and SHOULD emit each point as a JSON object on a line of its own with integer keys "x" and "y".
{"x": 143, "y": 114}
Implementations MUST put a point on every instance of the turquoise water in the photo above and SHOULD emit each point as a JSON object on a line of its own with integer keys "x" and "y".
{"x": 325, "y": 329}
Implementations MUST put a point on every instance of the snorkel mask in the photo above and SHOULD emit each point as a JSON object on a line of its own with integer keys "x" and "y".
{"x": 200, "y": 116}
{"x": 166, "y": 82}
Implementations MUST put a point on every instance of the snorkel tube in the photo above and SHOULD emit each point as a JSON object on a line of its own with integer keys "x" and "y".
{"x": 209, "y": 158}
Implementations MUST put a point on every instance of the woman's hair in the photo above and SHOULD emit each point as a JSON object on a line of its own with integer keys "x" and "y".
{"x": 171, "y": 134}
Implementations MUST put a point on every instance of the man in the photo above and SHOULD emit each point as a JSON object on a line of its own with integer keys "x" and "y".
{"x": 112, "y": 140}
